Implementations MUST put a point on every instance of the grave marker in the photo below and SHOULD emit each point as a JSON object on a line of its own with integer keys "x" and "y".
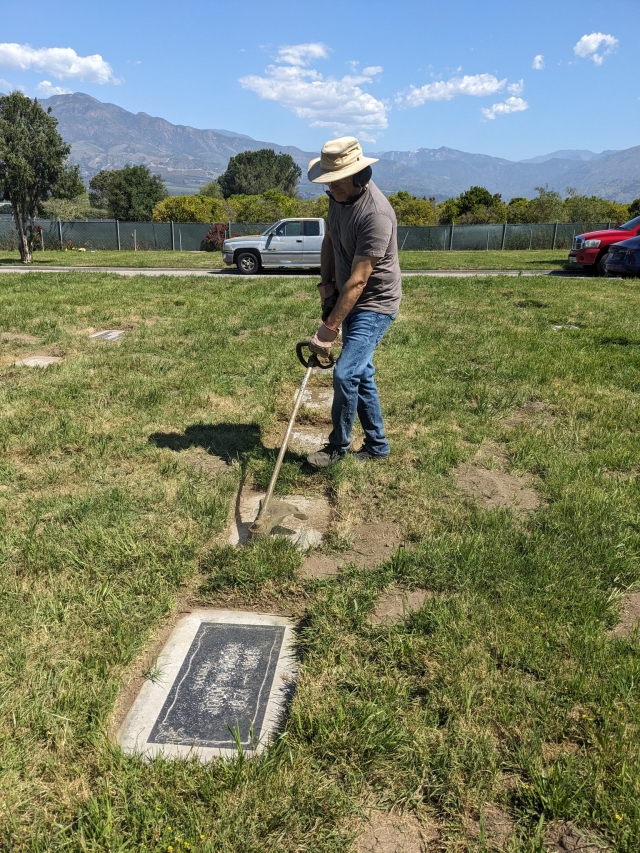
{"x": 108, "y": 334}
{"x": 37, "y": 361}
{"x": 222, "y": 675}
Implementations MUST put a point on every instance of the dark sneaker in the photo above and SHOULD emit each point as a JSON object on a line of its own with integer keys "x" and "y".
{"x": 365, "y": 455}
{"x": 325, "y": 457}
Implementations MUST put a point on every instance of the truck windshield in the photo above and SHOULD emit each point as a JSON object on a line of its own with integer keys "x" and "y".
{"x": 630, "y": 225}
{"x": 271, "y": 228}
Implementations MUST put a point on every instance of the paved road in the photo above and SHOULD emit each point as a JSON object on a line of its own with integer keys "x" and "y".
{"x": 182, "y": 273}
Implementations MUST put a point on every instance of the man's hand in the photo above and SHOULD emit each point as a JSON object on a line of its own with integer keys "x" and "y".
{"x": 321, "y": 342}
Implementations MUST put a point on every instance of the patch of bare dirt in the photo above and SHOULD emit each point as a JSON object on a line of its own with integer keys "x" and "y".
{"x": 534, "y": 410}
{"x": 371, "y": 544}
{"x": 487, "y": 480}
{"x": 622, "y": 476}
{"x": 552, "y": 751}
{"x": 206, "y": 462}
{"x": 396, "y": 604}
{"x": 563, "y": 837}
{"x": 498, "y": 828}
{"x": 385, "y": 833}
{"x": 18, "y": 337}
{"x": 629, "y": 615}
{"x": 319, "y": 566}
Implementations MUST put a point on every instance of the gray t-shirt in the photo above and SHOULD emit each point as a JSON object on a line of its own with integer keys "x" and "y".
{"x": 368, "y": 227}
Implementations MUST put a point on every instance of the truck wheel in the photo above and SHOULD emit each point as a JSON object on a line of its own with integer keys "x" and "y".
{"x": 248, "y": 263}
{"x": 600, "y": 268}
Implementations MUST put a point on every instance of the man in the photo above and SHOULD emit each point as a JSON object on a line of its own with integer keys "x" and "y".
{"x": 361, "y": 289}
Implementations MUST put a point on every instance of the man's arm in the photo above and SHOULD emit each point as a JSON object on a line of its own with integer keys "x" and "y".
{"x": 361, "y": 269}
{"x": 327, "y": 259}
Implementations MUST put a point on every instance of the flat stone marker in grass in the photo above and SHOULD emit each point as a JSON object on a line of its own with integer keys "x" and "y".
{"x": 304, "y": 534}
{"x": 305, "y": 439}
{"x": 109, "y": 334}
{"x": 37, "y": 361}
{"x": 319, "y": 399}
{"x": 223, "y": 676}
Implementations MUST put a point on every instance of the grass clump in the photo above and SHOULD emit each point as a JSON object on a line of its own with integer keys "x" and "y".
{"x": 246, "y": 570}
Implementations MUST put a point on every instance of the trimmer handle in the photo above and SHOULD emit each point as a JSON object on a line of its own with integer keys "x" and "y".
{"x": 313, "y": 360}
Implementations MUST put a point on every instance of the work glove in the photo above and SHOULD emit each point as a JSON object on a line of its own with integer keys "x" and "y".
{"x": 321, "y": 342}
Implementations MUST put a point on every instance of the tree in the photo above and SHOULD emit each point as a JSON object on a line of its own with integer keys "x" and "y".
{"x": 472, "y": 198}
{"x": 189, "y": 208}
{"x": 267, "y": 207}
{"x": 69, "y": 184}
{"x": 255, "y": 172}
{"x": 518, "y": 210}
{"x": 448, "y": 211}
{"x": 32, "y": 154}
{"x": 129, "y": 194}
{"x": 99, "y": 189}
{"x": 477, "y": 206}
{"x": 68, "y": 209}
{"x": 318, "y": 206}
{"x": 547, "y": 207}
{"x": 211, "y": 190}
{"x": 411, "y": 210}
{"x": 634, "y": 208}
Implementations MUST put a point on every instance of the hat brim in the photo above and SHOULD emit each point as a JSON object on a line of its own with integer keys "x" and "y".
{"x": 317, "y": 175}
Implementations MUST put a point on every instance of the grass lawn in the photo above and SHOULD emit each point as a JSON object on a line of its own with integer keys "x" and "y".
{"x": 504, "y": 695}
{"x": 543, "y": 260}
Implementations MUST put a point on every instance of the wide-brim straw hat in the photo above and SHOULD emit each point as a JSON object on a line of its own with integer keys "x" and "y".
{"x": 339, "y": 159}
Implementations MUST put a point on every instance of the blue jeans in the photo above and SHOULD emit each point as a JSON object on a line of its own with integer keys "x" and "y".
{"x": 354, "y": 391}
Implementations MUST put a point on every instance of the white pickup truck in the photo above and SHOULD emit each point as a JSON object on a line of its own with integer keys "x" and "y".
{"x": 287, "y": 243}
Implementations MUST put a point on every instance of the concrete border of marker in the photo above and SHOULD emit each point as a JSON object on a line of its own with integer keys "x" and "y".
{"x": 136, "y": 730}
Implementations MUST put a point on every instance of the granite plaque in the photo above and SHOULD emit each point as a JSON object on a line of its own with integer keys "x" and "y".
{"x": 223, "y": 676}
{"x": 223, "y": 684}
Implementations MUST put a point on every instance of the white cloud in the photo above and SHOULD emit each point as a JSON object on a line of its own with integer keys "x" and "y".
{"x": 511, "y": 105}
{"x": 47, "y": 89}
{"x": 340, "y": 104}
{"x": 595, "y": 46}
{"x": 302, "y": 54}
{"x": 476, "y": 85}
{"x": 516, "y": 88}
{"x": 538, "y": 62}
{"x": 60, "y": 62}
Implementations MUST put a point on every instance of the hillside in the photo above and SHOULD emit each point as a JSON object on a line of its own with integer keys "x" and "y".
{"x": 105, "y": 136}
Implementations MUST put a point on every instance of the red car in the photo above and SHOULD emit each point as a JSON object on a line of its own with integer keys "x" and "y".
{"x": 591, "y": 249}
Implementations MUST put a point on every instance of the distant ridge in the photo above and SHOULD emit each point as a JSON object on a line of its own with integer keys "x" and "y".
{"x": 106, "y": 136}
{"x": 568, "y": 154}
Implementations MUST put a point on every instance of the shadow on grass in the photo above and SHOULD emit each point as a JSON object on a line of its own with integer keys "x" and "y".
{"x": 226, "y": 441}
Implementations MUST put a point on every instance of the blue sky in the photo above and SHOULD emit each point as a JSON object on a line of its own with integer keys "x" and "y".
{"x": 506, "y": 78}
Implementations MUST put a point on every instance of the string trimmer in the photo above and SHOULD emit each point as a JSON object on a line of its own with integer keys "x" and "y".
{"x": 273, "y": 512}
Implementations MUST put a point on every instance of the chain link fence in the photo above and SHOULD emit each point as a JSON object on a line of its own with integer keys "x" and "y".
{"x": 553, "y": 235}
{"x": 111, "y": 234}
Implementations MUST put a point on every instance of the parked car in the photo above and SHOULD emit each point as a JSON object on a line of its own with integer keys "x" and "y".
{"x": 624, "y": 258}
{"x": 590, "y": 250}
{"x": 286, "y": 243}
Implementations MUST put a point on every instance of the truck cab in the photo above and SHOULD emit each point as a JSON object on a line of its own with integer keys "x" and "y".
{"x": 294, "y": 242}
{"x": 590, "y": 250}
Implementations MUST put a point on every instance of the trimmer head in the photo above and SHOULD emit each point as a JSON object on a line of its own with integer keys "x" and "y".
{"x": 275, "y": 514}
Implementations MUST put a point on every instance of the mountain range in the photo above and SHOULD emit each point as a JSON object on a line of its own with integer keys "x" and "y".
{"x": 106, "y": 136}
